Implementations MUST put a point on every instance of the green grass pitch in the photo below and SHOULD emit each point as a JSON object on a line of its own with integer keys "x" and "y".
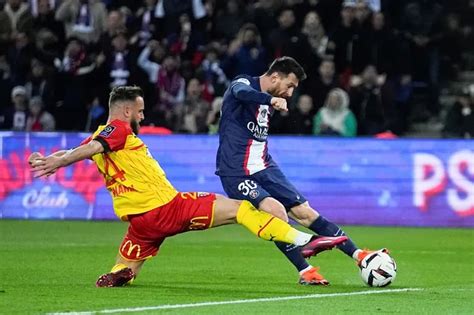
{"x": 49, "y": 266}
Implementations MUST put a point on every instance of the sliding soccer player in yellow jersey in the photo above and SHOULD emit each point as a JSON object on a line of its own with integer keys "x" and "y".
{"x": 143, "y": 196}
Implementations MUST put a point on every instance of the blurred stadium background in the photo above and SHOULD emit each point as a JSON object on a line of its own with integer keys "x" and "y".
{"x": 404, "y": 69}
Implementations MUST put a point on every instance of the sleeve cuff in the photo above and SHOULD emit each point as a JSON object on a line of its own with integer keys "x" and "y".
{"x": 268, "y": 99}
{"x": 104, "y": 144}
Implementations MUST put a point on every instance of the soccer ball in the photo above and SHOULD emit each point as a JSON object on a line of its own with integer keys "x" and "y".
{"x": 378, "y": 269}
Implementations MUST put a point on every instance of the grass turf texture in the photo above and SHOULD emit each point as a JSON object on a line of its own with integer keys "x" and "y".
{"x": 51, "y": 266}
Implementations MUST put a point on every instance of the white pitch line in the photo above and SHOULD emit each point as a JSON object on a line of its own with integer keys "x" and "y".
{"x": 273, "y": 299}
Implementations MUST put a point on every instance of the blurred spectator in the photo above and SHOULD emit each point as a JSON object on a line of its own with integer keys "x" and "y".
{"x": 287, "y": 40}
{"x": 263, "y": 14}
{"x": 214, "y": 115}
{"x": 170, "y": 83}
{"x": 35, "y": 6}
{"x": 144, "y": 24}
{"x": 171, "y": 89}
{"x": 459, "y": 122}
{"x": 451, "y": 46}
{"x": 326, "y": 10}
{"x": 44, "y": 20}
{"x": 194, "y": 110}
{"x": 314, "y": 31}
{"x": 229, "y": 20}
{"x": 149, "y": 61}
{"x": 97, "y": 115}
{"x": 18, "y": 14}
{"x": 119, "y": 67}
{"x": 301, "y": 117}
{"x": 84, "y": 19}
{"x": 38, "y": 118}
{"x": 40, "y": 85}
{"x": 5, "y": 31}
{"x": 245, "y": 55}
{"x": 422, "y": 26}
{"x": 363, "y": 27}
{"x": 380, "y": 47}
{"x": 74, "y": 86}
{"x": 156, "y": 52}
{"x": 186, "y": 41}
{"x": 115, "y": 24}
{"x": 342, "y": 39}
{"x": 5, "y": 85}
{"x": 15, "y": 115}
{"x": 372, "y": 102}
{"x": 48, "y": 47}
{"x": 362, "y": 15}
{"x": 403, "y": 99}
{"x": 215, "y": 79}
{"x": 19, "y": 57}
{"x": 335, "y": 118}
{"x": 319, "y": 87}
{"x": 169, "y": 11}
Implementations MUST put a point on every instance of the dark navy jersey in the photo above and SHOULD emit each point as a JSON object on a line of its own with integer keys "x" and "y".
{"x": 243, "y": 129}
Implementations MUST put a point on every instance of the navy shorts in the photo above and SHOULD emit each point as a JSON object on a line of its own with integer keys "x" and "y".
{"x": 270, "y": 182}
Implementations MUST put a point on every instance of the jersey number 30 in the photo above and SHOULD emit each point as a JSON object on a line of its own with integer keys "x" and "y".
{"x": 246, "y": 186}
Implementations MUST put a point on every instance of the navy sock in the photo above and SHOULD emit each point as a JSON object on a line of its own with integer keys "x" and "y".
{"x": 293, "y": 253}
{"x": 327, "y": 228}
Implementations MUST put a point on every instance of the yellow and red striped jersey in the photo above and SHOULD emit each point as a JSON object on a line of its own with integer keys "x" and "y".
{"x": 133, "y": 177}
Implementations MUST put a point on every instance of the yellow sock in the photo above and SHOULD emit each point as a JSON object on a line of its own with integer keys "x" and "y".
{"x": 118, "y": 267}
{"x": 268, "y": 227}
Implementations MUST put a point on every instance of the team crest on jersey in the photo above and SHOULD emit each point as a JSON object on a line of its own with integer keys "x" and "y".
{"x": 107, "y": 131}
{"x": 263, "y": 115}
{"x": 254, "y": 194}
{"x": 243, "y": 80}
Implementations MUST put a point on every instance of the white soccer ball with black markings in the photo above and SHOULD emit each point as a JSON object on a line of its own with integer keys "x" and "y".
{"x": 378, "y": 269}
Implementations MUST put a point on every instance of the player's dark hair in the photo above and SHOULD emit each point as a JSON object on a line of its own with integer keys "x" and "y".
{"x": 124, "y": 93}
{"x": 286, "y": 65}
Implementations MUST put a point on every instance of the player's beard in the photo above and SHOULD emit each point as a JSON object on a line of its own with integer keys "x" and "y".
{"x": 275, "y": 92}
{"x": 135, "y": 126}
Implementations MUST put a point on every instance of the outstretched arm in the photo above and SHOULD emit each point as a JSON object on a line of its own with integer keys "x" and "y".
{"x": 45, "y": 166}
{"x": 246, "y": 93}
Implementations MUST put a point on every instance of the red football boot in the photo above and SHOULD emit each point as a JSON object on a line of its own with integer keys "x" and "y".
{"x": 115, "y": 279}
{"x": 321, "y": 243}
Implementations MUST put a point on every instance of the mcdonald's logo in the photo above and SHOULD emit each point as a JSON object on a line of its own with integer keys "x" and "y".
{"x": 189, "y": 195}
{"x": 131, "y": 248}
{"x": 196, "y": 225}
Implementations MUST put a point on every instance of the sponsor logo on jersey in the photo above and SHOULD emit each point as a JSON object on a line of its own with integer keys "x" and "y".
{"x": 263, "y": 116}
{"x": 120, "y": 190}
{"x": 260, "y": 133}
{"x": 198, "y": 223}
{"x": 243, "y": 80}
{"x": 131, "y": 248}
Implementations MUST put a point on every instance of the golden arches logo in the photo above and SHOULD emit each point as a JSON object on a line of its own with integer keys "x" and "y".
{"x": 196, "y": 225}
{"x": 189, "y": 195}
{"x": 131, "y": 248}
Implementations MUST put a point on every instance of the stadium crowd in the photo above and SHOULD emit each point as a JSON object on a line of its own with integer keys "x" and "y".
{"x": 364, "y": 59}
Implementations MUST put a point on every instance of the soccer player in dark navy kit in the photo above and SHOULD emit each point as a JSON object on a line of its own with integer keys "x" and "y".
{"x": 246, "y": 169}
